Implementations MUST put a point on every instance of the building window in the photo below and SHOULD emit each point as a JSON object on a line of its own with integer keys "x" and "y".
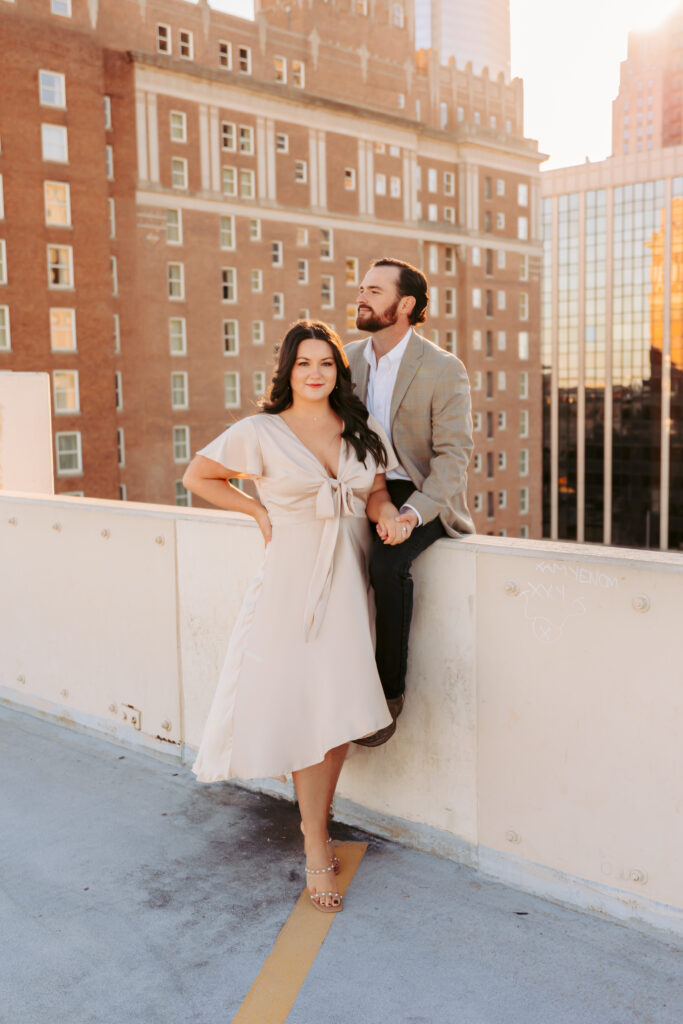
{"x": 476, "y": 380}
{"x": 500, "y": 187}
{"x": 120, "y": 448}
{"x": 350, "y": 179}
{"x": 229, "y": 284}
{"x": 174, "y": 227}
{"x": 69, "y": 456}
{"x": 523, "y": 195}
{"x": 500, "y": 259}
{"x": 523, "y": 344}
{"x": 278, "y": 305}
{"x": 177, "y": 336}
{"x": 489, "y": 302}
{"x": 432, "y": 181}
{"x": 63, "y": 330}
{"x": 244, "y": 60}
{"x": 449, "y": 302}
{"x": 351, "y": 270}
{"x": 52, "y": 88}
{"x": 478, "y": 502}
{"x": 228, "y": 136}
{"x": 246, "y": 139}
{"x": 179, "y": 390}
{"x": 397, "y": 16}
{"x": 276, "y": 254}
{"x": 502, "y": 341}
{"x": 57, "y": 204}
{"x": 351, "y": 317}
{"x": 280, "y": 65}
{"x": 183, "y": 497}
{"x": 476, "y": 298}
{"x": 109, "y": 162}
{"x": 524, "y": 462}
{"x": 443, "y": 115}
{"x": 524, "y": 423}
{"x": 111, "y": 209}
{"x": 500, "y": 221}
{"x": 231, "y": 341}
{"x": 163, "y": 38}
{"x": 224, "y": 54}
{"x": 61, "y": 7}
{"x": 227, "y": 232}
{"x": 502, "y": 499}
{"x": 298, "y": 74}
{"x": 523, "y": 228}
{"x": 179, "y": 172}
{"x": 326, "y": 244}
{"x": 489, "y": 385}
{"x": 247, "y": 184}
{"x": 327, "y": 291}
{"x": 449, "y": 183}
{"x": 524, "y": 384}
{"x": 524, "y": 503}
{"x": 256, "y": 280}
{"x": 113, "y": 264}
{"x": 54, "y": 143}
{"x": 476, "y": 421}
{"x": 178, "y": 126}
{"x": 181, "y": 444}
{"x": 477, "y": 462}
{"x": 476, "y": 256}
{"x": 5, "y": 339}
{"x": 186, "y": 44}
{"x": 301, "y": 172}
{"x": 116, "y": 332}
{"x": 449, "y": 259}
{"x": 229, "y": 181}
{"x": 501, "y": 300}
{"x": 257, "y": 336}
{"x": 395, "y": 187}
{"x": 401, "y": 101}
{"x": 259, "y": 379}
{"x": 118, "y": 391}
{"x": 380, "y": 184}
{"x": 302, "y": 236}
{"x": 254, "y": 230}
{"x": 502, "y": 460}
{"x": 302, "y": 271}
{"x": 231, "y": 389}
{"x": 65, "y": 391}
{"x": 60, "y": 273}
{"x": 434, "y": 301}
{"x": 502, "y": 380}
{"x": 523, "y": 306}
{"x": 451, "y": 342}
{"x": 176, "y": 280}
{"x": 282, "y": 143}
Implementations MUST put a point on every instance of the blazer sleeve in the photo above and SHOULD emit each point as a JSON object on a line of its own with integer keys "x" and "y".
{"x": 452, "y": 444}
{"x": 238, "y": 449}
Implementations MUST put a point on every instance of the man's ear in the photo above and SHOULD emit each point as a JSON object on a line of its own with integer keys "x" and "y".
{"x": 407, "y": 304}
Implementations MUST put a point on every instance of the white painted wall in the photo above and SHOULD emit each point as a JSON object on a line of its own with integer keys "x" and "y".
{"x": 541, "y": 739}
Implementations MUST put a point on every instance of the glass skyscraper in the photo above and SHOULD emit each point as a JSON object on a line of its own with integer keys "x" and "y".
{"x": 612, "y": 349}
{"x": 468, "y": 30}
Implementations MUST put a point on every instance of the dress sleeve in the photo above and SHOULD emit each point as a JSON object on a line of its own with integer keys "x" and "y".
{"x": 377, "y": 428}
{"x": 238, "y": 449}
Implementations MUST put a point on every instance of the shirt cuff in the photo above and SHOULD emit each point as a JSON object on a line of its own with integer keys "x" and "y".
{"x": 411, "y": 509}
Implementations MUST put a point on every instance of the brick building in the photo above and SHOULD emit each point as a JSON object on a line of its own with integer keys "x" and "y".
{"x": 180, "y": 184}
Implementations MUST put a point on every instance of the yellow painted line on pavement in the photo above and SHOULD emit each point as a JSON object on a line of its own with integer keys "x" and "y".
{"x": 279, "y": 981}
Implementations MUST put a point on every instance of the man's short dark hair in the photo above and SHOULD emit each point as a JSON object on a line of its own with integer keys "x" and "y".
{"x": 411, "y": 281}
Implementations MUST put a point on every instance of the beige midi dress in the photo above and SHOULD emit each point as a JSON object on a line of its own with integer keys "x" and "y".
{"x": 299, "y": 676}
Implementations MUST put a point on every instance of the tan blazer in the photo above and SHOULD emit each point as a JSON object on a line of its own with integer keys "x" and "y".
{"x": 431, "y": 428}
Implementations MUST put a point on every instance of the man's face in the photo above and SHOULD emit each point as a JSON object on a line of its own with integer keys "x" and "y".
{"x": 378, "y": 299}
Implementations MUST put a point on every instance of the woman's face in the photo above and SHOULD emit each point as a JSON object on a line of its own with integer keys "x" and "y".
{"x": 314, "y": 373}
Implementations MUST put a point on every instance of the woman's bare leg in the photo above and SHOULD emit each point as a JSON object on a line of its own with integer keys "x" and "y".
{"x": 315, "y": 789}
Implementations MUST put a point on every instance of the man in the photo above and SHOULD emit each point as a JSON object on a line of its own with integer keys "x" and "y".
{"x": 421, "y": 396}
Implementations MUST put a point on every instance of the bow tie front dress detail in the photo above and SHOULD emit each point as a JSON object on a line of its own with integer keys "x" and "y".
{"x": 299, "y": 676}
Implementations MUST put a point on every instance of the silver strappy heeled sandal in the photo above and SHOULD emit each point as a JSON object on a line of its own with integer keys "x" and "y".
{"x": 316, "y": 897}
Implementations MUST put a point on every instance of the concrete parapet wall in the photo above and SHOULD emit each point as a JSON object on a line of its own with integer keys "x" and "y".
{"x": 541, "y": 739}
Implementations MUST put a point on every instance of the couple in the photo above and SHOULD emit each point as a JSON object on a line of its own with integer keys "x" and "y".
{"x": 301, "y": 679}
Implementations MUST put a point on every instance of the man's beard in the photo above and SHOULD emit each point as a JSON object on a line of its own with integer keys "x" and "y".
{"x": 376, "y": 321}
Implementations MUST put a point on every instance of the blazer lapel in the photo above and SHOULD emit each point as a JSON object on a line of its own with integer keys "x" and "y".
{"x": 412, "y": 357}
{"x": 362, "y": 374}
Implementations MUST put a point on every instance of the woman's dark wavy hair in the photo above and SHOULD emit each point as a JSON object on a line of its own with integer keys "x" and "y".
{"x": 343, "y": 401}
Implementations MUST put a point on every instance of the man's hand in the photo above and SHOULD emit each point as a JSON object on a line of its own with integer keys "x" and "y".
{"x": 394, "y": 529}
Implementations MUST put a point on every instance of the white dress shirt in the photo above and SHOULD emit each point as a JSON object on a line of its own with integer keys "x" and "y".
{"x": 381, "y": 384}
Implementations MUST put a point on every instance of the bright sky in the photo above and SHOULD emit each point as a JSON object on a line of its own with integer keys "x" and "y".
{"x": 568, "y": 55}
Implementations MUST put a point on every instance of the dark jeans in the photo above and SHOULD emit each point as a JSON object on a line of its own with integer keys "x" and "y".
{"x": 393, "y": 586}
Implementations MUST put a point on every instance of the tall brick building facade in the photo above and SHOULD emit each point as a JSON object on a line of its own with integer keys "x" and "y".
{"x": 180, "y": 184}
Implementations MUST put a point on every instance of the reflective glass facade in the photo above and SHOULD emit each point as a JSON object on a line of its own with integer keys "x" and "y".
{"x": 612, "y": 347}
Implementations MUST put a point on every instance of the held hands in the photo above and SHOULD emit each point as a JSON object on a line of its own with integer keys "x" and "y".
{"x": 394, "y": 527}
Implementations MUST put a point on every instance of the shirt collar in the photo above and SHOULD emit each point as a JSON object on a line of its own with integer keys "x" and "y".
{"x": 393, "y": 356}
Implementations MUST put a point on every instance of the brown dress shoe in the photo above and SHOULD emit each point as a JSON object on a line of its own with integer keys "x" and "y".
{"x": 376, "y": 739}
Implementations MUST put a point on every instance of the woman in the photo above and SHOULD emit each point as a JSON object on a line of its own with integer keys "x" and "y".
{"x": 300, "y": 680}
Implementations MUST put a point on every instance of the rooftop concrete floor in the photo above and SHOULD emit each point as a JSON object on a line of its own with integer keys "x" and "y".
{"x": 130, "y": 893}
